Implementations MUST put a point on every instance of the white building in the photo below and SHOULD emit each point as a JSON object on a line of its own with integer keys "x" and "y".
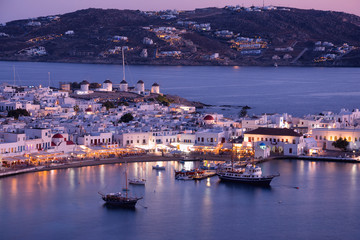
{"x": 279, "y": 140}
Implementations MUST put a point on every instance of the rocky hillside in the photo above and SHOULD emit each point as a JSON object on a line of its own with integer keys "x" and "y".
{"x": 211, "y": 36}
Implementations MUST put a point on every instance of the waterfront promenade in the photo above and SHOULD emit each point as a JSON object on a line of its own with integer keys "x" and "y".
{"x": 100, "y": 161}
{"x": 330, "y": 157}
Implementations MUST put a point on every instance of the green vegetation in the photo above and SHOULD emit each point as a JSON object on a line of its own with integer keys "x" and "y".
{"x": 244, "y": 111}
{"x": 341, "y": 144}
{"x": 76, "y": 108}
{"x": 163, "y": 100}
{"x": 108, "y": 105}
{"x": 94, "y": 85}
{"x": 17, "y": 113}
{"x": 74, "y": 86}
{"x": 128, "y": 117}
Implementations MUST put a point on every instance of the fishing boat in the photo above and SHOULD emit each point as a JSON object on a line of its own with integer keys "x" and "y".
{"x": 183, "y": 177}
{"x": 252, "y": 174}
{"x": 157, "y": 167}
{"x": 117, "y": 199}
{"x": 191, "y": 172}
{"x": 137, "y": 181}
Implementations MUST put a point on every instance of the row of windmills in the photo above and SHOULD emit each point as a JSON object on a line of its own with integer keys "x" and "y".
{"x": 108, "y": 86}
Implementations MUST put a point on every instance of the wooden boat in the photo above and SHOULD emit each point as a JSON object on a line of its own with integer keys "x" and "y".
{"x": 118, "y": 200}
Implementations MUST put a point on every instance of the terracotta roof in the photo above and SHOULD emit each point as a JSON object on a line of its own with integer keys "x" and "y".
{"x": 208, "y": 117}
{"x": 274, "y": 132}
{"x": 70, "y": 143}
{"x": 53, "y": 144}
{"x": 58, "y": 135}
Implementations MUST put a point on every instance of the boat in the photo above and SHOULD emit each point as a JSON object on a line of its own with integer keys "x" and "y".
{"x": 191, "y": 172}
{"x": 117, "y": 199}
{"x": 137, "y": 181}
{"x": 252, "y": 174}
{"x": 183, "y": 177}
{"x": 157, "y": 167}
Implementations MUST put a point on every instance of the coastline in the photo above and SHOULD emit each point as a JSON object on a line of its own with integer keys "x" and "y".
{"x": 97, "y": 162}
{"x": 182, "y": 64}
{"x": 154, "y": 158}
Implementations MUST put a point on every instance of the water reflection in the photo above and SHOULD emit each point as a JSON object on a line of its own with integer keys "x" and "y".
{"x": 64, "y": 201}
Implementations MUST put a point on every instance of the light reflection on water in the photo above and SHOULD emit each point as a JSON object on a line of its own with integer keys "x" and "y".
{"x": 65, "y": 204}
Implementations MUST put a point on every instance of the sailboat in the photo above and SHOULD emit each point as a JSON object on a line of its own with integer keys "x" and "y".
{"x": 138, "y": 180}
{"x": 118, "y": 199}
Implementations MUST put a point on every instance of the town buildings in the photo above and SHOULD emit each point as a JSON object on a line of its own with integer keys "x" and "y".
{"x": 63, "y": 126}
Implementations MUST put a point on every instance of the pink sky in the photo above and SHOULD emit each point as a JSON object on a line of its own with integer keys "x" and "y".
{"x": 20, "y": 9}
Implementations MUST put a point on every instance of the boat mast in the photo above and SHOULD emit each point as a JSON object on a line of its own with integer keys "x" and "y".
{"x": 14, "y": 74}
{"x": 123, "y": 61}
{"x": 126, "y": 180}
{"x": 232, "y": 156}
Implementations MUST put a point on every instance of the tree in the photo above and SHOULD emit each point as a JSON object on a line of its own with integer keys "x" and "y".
{"x": 76, "y": 108}
{"x": 75, "y": 86}
{"x": 17, "y": 113}
{"x": 341, "y": 144}
{"x": 108, "y": 105}
{"x": 128, "y": 117}
{"x": 244, "y": 111}
{"x": 94, "y": 85}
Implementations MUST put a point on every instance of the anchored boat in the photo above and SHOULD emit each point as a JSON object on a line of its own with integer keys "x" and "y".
{"x": 251, "y": 175}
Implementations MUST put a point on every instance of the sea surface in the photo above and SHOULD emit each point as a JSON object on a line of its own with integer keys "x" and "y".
{"x": 295, "y": 90}
{"x": 310, "y": 200}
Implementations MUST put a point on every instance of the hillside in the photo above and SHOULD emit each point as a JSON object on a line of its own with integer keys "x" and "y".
{"x": 210, "y": 36}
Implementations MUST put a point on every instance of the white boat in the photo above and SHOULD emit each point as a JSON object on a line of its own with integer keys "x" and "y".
{"x": 251, "y": 175}
{"x": 137, "y": 181}
{"x": 157, "y": 167}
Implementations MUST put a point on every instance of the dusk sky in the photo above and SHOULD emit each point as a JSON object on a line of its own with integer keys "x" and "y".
{"x": 20, "y": 9}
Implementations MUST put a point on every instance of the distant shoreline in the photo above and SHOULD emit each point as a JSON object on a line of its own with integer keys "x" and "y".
{"x": 169, "y": 64}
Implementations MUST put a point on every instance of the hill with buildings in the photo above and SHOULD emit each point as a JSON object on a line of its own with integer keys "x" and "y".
{"x": 232, "y": 35}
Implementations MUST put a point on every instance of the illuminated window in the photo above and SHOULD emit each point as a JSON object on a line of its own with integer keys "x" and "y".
{"x": 331, "y": 138}
{"x": 335, "y": 138}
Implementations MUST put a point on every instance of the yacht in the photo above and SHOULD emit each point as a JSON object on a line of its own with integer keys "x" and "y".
{"x": 252, "y": 174}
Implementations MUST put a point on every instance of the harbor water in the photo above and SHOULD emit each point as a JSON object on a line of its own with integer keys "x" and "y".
{"x": 310, "y": 200}
{"x": 295, "y": 90}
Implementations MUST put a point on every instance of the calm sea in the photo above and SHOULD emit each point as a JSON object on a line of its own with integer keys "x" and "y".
{"x": 297, "y": 91}
{"x": 64, "y": 204}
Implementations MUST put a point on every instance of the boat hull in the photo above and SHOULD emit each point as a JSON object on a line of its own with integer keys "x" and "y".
{"x": 264, "y": 181}
{"x": 121, "y": 203}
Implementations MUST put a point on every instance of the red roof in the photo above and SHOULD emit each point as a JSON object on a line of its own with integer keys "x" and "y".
{"x": 208, "y": 117}
{"x": 70, "y": 143}
{"x": 53, "y": 144}
{"x": 88, "y": 110}
{"x": 58, "y": 135}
